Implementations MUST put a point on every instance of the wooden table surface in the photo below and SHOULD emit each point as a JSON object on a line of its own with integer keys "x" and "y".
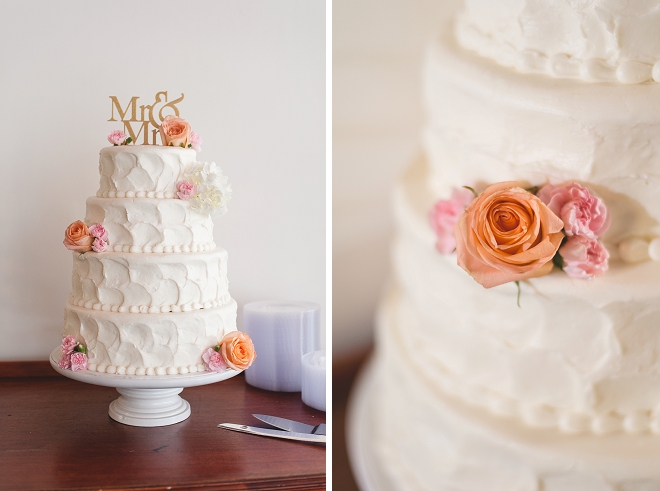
{"x": 55, "y": 433}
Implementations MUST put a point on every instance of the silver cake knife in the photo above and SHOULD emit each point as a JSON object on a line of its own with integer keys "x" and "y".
{"x": 287, "y": 435}
{"x": 289, "y": 425}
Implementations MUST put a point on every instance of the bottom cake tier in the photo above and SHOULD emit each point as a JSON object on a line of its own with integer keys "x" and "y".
{"x": 424, "y": 439}
{"x": 148, "y": 344}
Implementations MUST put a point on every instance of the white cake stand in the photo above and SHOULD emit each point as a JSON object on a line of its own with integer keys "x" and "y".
{"x": 146, "y": 400}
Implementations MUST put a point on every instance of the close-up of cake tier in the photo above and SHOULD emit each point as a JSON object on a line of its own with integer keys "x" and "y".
{"x": 543, "y": 381}
{"x": 127, "y": 282}
{"x": 151, "y": 224}
{"x": 149, "y": 344}
{"x": 142, "y": 171}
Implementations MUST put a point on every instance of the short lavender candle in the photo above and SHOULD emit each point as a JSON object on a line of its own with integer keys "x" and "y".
{"x": 276, "y": 329}
{"x": 313, "y": 379}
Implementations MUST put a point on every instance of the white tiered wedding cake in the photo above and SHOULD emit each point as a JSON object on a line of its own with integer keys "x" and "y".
{"x": 545, "y": 379}
{"x": 150, "y": 291}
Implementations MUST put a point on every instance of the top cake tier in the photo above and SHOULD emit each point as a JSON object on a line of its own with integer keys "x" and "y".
{"x": 600, "y": 40}
{"x": 150, "y": 171}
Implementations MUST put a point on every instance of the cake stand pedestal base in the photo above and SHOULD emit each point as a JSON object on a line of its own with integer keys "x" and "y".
{"x": 149, "y": 407}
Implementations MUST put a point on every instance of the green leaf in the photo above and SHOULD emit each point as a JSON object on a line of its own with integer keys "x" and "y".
{"x": 533, "y": 190}
{"x": 114, "y": 144}
{"x": 518, "y": 298}
{"x": 128, "y": 140}
{"x": 473, "y": 191}
{"x": 558, "y": 261}
{"x": 80, "y": 348}
{"x": 217, "y": 347}
{"x": 189, "y": 145}
{"x": 182, "y": 145}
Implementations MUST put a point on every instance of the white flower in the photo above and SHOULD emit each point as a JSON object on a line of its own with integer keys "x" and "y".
{"x": 213, "y": 192}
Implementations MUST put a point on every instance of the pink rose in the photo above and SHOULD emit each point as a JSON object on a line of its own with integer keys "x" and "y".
{"x": 97, "y": 230}
{"x": 195, "y": 141}
{"x": 175, "y": 132}
{"x": 445, "y": 214}
{"x": 583, "y": 257}
{"x": 99, "y": 245}
{"x": 68, "y": 343}
{"x": 77, "y": 238}
{"x": 214, "y": 361}
{"x": 186, "y": 190}
{"x": 117, "y": 137}
{"x": 582, "y": 213}
{"x": 65, "y": 361}
{"x": 78, "y": 361}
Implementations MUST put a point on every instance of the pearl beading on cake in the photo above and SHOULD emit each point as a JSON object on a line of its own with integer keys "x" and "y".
{"x": 136, "y": 194}
{"x": 130, "y": 370}
{"x": 163, "y": 249}
{"x": 559, "y": 65}
{"x": 153, "y": 309}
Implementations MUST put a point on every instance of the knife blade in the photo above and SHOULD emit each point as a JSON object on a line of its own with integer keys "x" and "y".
{"x": 289, "y": 425}
{"x": 287, "y": 435}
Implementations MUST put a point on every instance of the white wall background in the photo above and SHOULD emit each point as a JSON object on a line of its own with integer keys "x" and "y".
{"x": 253, "y": 75}
{"x": 378, "y": 47}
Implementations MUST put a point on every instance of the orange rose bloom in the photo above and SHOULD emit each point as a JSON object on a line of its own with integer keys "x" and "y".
{"x": 174, "y": 132}
{"x": 237, "y": 350}
{"x": 507, "y": 234}
{"x": 78, "y": 238}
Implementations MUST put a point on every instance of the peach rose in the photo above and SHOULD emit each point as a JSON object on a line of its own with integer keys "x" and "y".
{"x": 507, "y": 234}
{"x": 78, "y": 238}
{"x": 237, "y": 350}
{"x": 175, "y": 132}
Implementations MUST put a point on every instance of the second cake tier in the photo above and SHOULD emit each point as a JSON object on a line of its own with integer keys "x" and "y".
{"x": 150, "y": 283}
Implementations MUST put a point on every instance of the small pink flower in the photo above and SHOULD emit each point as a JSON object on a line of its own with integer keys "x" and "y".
{"x": 78, "y": 361}
{"x": 214, "y": 361}
{"x": 584, "y": 257}
{"x": 582, "y": 213}
{"x": 97, "y": 230}
{"x": 186, "y": 190}
{"x": 99, "y": 245}
{"x": 444, "y": 215}
{"x": 117, "y": 137}
{"x": 65, "y": 361}
{"x": 68, "y": 343}
{"x": 195, "y": 141}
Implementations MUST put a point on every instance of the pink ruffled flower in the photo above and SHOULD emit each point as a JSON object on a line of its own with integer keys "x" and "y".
{"x": 186, "y": 190}
{"x": 78, "y": 361}
{"x": 584, "y": 257}
{"x": 65, "y": 361}
{"x": 68, "y": 343}
{"x": 444, "y": 215}
{"x": 97, "y": 230}
{"x": 582, "y": 213}
{"x": 117, "y": 137}
{"x": 214, "y": 361}
{"x": 195, "y": 141}
{"x": 99, "y": 245}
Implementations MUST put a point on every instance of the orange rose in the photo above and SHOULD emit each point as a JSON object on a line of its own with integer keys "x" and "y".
{"x": 78, "y": 238}
{"x": 175, "y": 132}
{"x": 237, "y": 350}
{"x": 507, "y": 234}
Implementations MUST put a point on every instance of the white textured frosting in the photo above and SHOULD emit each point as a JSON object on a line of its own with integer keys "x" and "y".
{"x": 599, "y": 40}
{"x": 159, "y": 344}
{"x": 149, "y": 283}
{"x": 142, "y": 170}
{"x": 579, "y": 355}
{"x": 489, "y": 124}
{"x": 425, "y": 439}
{"x": 151, "y": 225}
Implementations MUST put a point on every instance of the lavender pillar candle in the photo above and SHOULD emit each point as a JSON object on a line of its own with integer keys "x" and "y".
{"x": 276, "y": 329}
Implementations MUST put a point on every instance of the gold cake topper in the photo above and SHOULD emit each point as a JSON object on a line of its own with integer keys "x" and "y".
{"x": 148, "y": 115}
